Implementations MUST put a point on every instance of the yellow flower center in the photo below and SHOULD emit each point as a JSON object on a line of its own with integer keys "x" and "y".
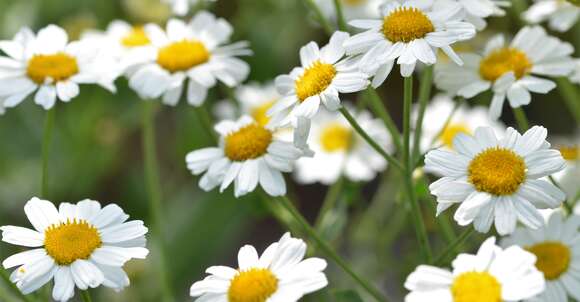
{"x": 476, "y": 287}
{"x": 336, "y": 137}
{"x": 182, "y": 55}
{"x": 314, "y": 80}
{"x": 260, "y": 115}
{"x": 553, "y": 258}
{"x": 570, "y": 152}
{"x": 502, "y": 61}
{"x": 70, "y": 241}
{"x": 57, "y": 67}
{"x": 136, "y": 37}
{"x": 249, "y": 142}
{"x": 451, "y": 131}
{"x": 497, "y": 171}
{"x": 254, "y": 285}
{"x": 406, "y": 24}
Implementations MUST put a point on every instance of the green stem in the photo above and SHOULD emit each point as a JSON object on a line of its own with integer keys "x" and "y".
{"x": 330, "y": 200}
{"x": 340, "y": 16}
{"x": 424, "y": 95}
{"x": 389, "y": 158}
{"x": 328, "y": 250}
{"x": 204, "y": 117}
{"x": 154, "y": 192}
{"x": 571, "y": 97}
{"x": 46, "y": 141}
{"x": 407, "y": 102}
{"x": 521, "y": 119}
{"x": 452, "y": 246}
{"x": 320, "y": 16}
{"x": 6, "y": 278}
{"x": 382, "y": 112}
{"x": 86, "y": 296}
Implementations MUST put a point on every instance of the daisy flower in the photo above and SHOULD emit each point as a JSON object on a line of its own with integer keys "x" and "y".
{"x": 442, "y": 122}
{"x": 280, "y": 274}
{"x": 568, "y": 178}
{"x": 339, "y": 150}
{"x": 79, "y": 245}
{"x": 560, "y": 14}
{"x": 182, "y": 7}
{"x": 557, "y": 248}
{"x": 509, "y": 70}
{"x": 248, "y": 154}
{"x": 255, "y": 100}
{"x": 352, "y": 9}
{"x": 407, "y": 32}
{"x": 321, "y": 78}
{"x": 493, "y": 274}
{"x": 497, "y": 179}
{"x": 476, "y": 11}
{"x": 191, "y": 51}
{"x": 49, "y": 65}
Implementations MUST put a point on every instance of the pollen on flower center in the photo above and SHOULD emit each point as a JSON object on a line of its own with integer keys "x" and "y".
{"x": 502, "y": 61}
{"x": 260, "y": 115}
{"x": 570, "y": 153}
{"x": 451, "y": 131}
{"x": 406, "y": 24}
{"x": 476, "y": 287}
{"x": 254, "y": 285}
{"x": 70, "y": 241}
{"x": 314, "y": 80}
{"x": 182, "y": 55}
{"x": 553, "y": 258}
{"x": 136, "y": 37}
{"x": 497, "y": 171}
{"x": 57, "y": 67}
{"x": 249, "y": 142}
{"x": 336, "y": 137}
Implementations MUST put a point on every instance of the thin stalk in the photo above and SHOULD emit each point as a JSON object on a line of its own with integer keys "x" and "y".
{"x": 407, "y": 102}
{"x": 389, "y": 158}
{"x": 424, "y": 95}
{"x": 329, "y": 251}
{"x": 154, "y": 191}
{"x": 382, "y": 112}
{"x": 330, "y": 200}
{"x": 443, "y": 222}
{"x": 6, "y": 278}
{"x": 204, "y": 117}
{"x": 86, "y": 296}
{"x": 452, "y": 246}
{"x": 46, "y": 141}
{"x": 340, "y": 16}
{"x": 320, "y": 16}
{"x": 571, "y": 97}
{"x": 521, "y": 119}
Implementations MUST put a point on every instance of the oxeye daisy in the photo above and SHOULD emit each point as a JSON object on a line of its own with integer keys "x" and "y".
{"x": 443, "y": 121}
{"x": 557, "y": 248}
{"x": 352, "y": 9}
{"x": 408, "y": 33}
{"x": 476, "y": 11}
{"x": 560, "y": 14}
{"x": 248, "y": 154}
{"x": 569, "y": 147}
{"x": 497, "y": 180}
{"x": 339, "y": 150}
{"x": 192, "y": 52}
{"x": 509, "y": 70}
{"x": 48, "y": 64}
{"x": 182, "y": 7}
{"x": 280, "y": 274}
{"x": 79, "y": 245}
{"x": 493, "y": 274}
{"x": 322, "y": 77}
{"x": 254, "y": 99}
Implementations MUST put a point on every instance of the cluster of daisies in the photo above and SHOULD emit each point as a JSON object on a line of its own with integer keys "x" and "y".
{"x": 299, "y": 123}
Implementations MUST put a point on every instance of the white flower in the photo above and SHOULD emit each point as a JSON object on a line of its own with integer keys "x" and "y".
{"x": 493, "y": 274}
{"x": 568, "y": 178}
{"x": 248, "y": 154}
{"x": 321, "y": 78}
{"x": 80, "y": 245}
{"x": 339, "y": 150}
{"x": 560, "y": 14}
{"x": 509, "y": 70}
{"x": 182, "y": 7}
{"x": 408, "y": 33}
{"x": 280, "y": 274}
{"x": 48, "y": 64}
{"x": 476, "y": 11}
{"x": 557, "y": 247}
{"x": 191, "y": 51}
{"x": 254, "y": 99}
{"x": 497, "y": 179}
{"x": 352, "y": 9}
{"x": 443, "y": 121}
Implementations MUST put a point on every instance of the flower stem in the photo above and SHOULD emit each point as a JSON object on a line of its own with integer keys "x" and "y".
{"x": 521, "y": 119}
{"x": 205, "y": 119}
{"x": 46, "y": 140}
{"x": 407, "y": 99}
{"x": 424, "y": 95}
{"x": 389, "y": 158}
{"x": 318, "y": 13}
{"x": 325, "y": 247}
{"x": 6, "y": 278}
{"x": 452, "y": 246}
{"x": 154, "y": 192}
{"x": 330, "y": 200}
{"x": 86, "y": 296}
{"x": 382, "y": 112}
{"x": 340, "y": 16}
{"x": 571, "y": 97}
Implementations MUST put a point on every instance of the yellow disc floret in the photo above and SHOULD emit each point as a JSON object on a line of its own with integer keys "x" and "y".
{"x": 570, "y": 152}
{"x": 260, "y": 113}
{"x": 70, "y": 241}
{"x": 135, "y": 38}
{"x": 254, "y": 285}
{"x": 476, "y": 287}
{"x": 502, "y": 61}
{"x": 182, "y": 55}
{"x": 336, "y": 137}
{"x": 451, "y": 131}
{"x": 57, "y": 67}
{"x": 249, "y": 142}
{"x": 497, "y": 171}
{"x": 553, "y": 258}
{"x": 406, "y": 24}
{"x": 314, "y": 80}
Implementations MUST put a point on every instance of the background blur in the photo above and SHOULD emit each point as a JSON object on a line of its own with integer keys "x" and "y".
{"x": 96, "y": 154}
